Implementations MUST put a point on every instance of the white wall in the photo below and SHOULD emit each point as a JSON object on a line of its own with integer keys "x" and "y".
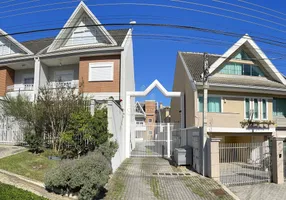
{"x": 43, "y": 74}
{"x": 115, "y": 127}
{"x": 128, "y": 81}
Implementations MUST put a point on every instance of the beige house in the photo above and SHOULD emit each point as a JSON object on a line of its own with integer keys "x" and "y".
{"x": 246, "y": 94}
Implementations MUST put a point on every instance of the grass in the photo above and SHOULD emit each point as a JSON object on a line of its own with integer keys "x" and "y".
{"x": 8, "y": 192}
{"x": 155, "y": 187}
{"x": 27, "y": 164}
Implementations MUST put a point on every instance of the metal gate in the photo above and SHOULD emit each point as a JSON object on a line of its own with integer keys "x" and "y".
{"x": 10, "y": 132}
{"x": 152, "y": 140}
{"x": 244, "y": 163}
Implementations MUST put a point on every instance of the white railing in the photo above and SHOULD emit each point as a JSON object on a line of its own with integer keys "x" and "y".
{"x": 69, "y": 84}
{"x": 23, "y": 87}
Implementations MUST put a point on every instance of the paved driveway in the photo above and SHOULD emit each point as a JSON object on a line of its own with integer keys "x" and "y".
{"x": 6, "y": 150}
{"x": 155, "y": 178}
{"x": 264, "y": 191}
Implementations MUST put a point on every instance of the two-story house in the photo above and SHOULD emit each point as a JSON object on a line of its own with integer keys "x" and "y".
{"x": 246, "y": 93}
{"x": 84, "y": 53}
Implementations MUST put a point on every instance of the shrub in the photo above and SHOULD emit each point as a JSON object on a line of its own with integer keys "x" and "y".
{"x": 86, "y": 176}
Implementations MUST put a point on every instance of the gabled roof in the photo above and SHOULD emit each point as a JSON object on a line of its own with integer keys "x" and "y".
{"x": 139, "y": 110}
{"x": 22, "y": 48}
{"x": 39, "y": 45}
{"x": 72, "y": 21}
{"x": 247, "y": 41}
{"x": 194, "y": 62}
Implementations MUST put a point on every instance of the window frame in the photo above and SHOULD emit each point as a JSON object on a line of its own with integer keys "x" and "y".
{"x": 266, "y": 111}
{"x": 150, "y": 120}
{"x": 209, "y": 96}
{"x": 258, "y": 107}
{"x": 250, "y": 106}
{"x": 99, "y": 65}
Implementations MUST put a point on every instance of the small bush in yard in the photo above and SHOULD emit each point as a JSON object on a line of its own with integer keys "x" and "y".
{"x": 86, "y": 176}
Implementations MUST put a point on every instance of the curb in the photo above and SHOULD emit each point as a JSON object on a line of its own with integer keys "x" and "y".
{"x": 228, "y": 190}
{"x": 40, "y": 184}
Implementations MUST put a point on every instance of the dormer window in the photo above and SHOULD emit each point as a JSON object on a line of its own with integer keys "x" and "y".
{"x": 241, "y": 55}
{"x": 241, "y": 69}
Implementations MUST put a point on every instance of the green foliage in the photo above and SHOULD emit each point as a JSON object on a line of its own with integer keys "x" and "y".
{"x": 8, "y": 192}
{"x": 85, "y": 133}
{"x": 33, "y": 139}
{"x": 86, "y": 176}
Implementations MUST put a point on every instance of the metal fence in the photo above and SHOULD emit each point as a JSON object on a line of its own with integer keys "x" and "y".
{"x": 244, "y": 163}
{"x": 10, "y": 131}
{"x": 153, "y": 140}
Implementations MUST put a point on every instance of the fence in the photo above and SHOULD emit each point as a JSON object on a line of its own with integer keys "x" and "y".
{"x": 10, "y": 132}
{"x": 244, "y": 163}
{"x": 115, "y": 126}
{"x": 190, "y": 137}
{"x": 153, "y": 140}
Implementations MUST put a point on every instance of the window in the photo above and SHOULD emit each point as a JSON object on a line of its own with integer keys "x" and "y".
{"x": 149, "y": 120}
{"x": 214, "y": 104}
{"x": 279, "y": 107}
{"x": 264, "y": 109}
{"x": 64, "y": 75}
{"x": 242, "y": 56}
{"x": 256, "y": 109}
{"x": 247, "y": 108}
{"x": 100, "y": 71}
{"x": 150, "y": 132}
{"x": 28, "y": 81}
{"x": 241, "y": 69}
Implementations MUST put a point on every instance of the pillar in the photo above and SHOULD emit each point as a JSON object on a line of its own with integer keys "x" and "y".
{"x": 277, "y": 160}
{"x": 213, "y": 164}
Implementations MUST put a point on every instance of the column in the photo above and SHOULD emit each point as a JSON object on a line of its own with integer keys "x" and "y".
{"x": 277, "y": 160}
{"x": 213, "y": 165}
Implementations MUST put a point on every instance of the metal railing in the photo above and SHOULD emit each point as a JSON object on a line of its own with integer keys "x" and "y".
{"x": 68, "y": 84}
{"x": 23, "y": 87}
{"x": 244, "y": 163}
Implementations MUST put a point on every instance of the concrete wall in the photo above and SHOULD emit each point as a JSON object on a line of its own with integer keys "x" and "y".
{"x": 115, "y": 127}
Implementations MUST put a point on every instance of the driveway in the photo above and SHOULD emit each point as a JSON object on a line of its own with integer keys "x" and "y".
{"x": 155, "y": 178}
{"x": 6, "y": 150}
{"x": 264, "y": 191}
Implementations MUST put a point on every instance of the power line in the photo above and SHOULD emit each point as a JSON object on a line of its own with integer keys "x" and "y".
{"x": 38, "y": 6}
{"x": 253, "y": 4}
{"x": 7, "y": 1}
{"x": 16, "y": 4}
{"x": 258, "y": 11}
{"x": 228, "y": 10}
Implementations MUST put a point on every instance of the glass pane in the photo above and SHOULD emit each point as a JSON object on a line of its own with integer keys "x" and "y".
{"x": 28, "y": 80}
{"x": 214, "y": 104}
{"x": 246, "y": 70}
{"x": 238, "y": 56}
{"x": 255, "y": 108}
{"x": 247, "y": 108}
{"x": 256, "y": 71}
{"x": 264, "y": 113}
{"x": 201, "y": 104}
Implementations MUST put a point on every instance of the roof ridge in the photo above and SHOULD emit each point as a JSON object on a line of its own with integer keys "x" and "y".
{"x": 200, "y": 53}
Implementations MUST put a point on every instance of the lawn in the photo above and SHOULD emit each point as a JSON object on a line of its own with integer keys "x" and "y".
{"x": 27, "y": 164}
{"x": 8, "y": 192}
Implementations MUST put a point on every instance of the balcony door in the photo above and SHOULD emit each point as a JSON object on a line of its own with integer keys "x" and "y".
{"x": 64, "y": 78}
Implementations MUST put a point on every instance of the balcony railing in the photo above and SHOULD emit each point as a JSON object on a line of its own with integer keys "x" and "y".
{"x": 280, "y": 121}
{"x": 19, "y": 88}
{"x": 67, "y": 84}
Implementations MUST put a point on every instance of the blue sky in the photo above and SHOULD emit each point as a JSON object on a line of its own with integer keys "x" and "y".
{"x": 155, "y": 58}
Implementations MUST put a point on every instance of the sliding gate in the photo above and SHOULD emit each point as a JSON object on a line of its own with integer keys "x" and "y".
{"x": 152, "y": 140}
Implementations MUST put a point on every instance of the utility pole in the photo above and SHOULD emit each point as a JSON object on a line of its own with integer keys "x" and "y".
{"x": 205, "y": 110}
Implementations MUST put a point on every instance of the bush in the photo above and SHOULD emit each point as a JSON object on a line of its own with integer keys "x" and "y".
{"x": 86, "y": 176}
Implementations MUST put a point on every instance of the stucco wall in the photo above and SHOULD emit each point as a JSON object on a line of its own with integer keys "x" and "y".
{"x": 182, "y": 84}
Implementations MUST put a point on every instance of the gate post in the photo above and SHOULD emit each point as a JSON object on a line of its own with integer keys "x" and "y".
{"x": 277, "y": 160}
{"x": 213, "y": 164}
{"x": 168, "y": 140}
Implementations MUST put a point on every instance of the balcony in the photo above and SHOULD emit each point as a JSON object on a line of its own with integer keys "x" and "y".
{"x": 20, "y": 87}
{"x": 280, "y": 121}
{"x": 66, "y": 84}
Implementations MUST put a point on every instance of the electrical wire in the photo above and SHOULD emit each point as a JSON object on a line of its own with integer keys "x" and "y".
{"x": 253, "y": 4}
{"x": 16, "y": 4}
{"x": 7, "y": 1}
{"x": 246, "y": 8}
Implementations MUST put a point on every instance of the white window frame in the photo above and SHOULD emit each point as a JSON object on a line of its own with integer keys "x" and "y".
{"x": 98, "y": 65}
{"x": 259, "y": 110}
{"x": 266, "y": 100}
{"x": 221, "y": 103}
{"x": 250, "y": 106}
